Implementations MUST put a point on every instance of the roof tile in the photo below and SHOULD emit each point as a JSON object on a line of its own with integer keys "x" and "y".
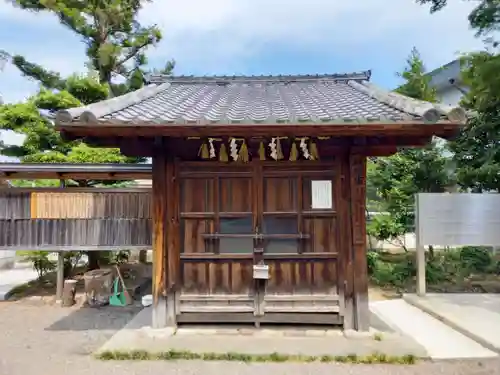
{"x": 267, "y": 99}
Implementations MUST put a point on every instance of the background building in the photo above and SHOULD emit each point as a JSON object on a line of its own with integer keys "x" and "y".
{"x": 448, "y": 83}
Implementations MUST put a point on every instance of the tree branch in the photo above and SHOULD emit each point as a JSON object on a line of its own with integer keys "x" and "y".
{"x": 134, "y": 51}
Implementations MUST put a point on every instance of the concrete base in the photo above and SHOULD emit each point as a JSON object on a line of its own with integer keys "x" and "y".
{"x": 138, "y": 335}
{"x": 476, "y": 316}
{"x": 439, "y": 340}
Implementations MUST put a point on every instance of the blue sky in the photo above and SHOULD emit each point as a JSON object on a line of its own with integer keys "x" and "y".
{"x": 257, "y": 37}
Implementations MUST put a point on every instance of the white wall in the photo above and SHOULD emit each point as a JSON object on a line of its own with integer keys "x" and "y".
{"x": 450, "y": 96}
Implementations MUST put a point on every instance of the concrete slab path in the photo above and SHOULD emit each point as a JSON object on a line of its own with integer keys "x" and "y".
{"x": 11, "y": 278}
{"x": 439, "y": 340}
{"x": 138, "y": 335}
{"x": 476, "y": 316}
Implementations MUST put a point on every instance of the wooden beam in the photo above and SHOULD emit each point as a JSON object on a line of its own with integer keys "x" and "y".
{"x": 411, "y": 128}
{"x": 357, "y": 167}
{"x": 375, "y": 150}
{"x": 159, "y": 202}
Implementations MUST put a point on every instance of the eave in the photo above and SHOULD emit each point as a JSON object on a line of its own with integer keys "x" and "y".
{"x": 75, "y": 130}
{"x": 75, "y": 171}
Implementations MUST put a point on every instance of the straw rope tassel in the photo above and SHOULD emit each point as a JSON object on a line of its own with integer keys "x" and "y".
{"x": 223, "y": 153}
{"x": 262, "y": 151}
{"x": 294, "y": 153}
{"x": 243, "y": 155}
{"x": 203, "y": 151}
{"x": 279, "y": 151}
{"x": 314, "y": 151}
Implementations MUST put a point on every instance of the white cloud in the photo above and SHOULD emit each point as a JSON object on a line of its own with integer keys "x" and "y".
{"x": 227, "y": 32}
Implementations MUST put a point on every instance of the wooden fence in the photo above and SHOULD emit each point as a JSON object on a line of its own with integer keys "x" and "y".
{"x": 75, "y": 219}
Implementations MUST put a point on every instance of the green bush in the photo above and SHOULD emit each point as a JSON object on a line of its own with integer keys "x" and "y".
{"x": 114, "y": 257}
{"x": 476, "y": 258}
{"x": 435, "y": 270}
{"x": 383, "y": 274}
{"x": 404, "y": 271}
{"x": 495, "y": 267}
{"x": 450, "y": 266}
{"x": 371, "y": 261}
{"x": 41, "y": 262}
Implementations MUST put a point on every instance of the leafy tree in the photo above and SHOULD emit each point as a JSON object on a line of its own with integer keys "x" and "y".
{"x": 477, "y": 149}
{"x": 115, "y": 40}
{"x": 417, "y": 84}
{"x": 43, "y": 144}
{"x": 484, "y": 18}
{"x": 396, "y": 179}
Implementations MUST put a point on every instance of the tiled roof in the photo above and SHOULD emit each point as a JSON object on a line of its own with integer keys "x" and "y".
{"x": 297, "y": 99}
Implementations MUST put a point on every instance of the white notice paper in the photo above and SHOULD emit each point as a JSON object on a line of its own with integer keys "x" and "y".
{"x": 321, "y": 195}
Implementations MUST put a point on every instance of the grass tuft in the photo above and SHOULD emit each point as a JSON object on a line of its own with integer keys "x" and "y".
{"x": 378, "y": 336}
{"x": 176, "y": 355}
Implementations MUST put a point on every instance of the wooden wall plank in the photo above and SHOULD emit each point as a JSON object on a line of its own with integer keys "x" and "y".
{"x": 80, "y": 205}
{"x": 15, "y": 204}
{"x": 37, "y": 233}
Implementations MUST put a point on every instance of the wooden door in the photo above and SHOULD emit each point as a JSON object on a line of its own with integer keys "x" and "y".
{"x": 235, "y": 216}
{"x": 298, "y": 221}
{"x": 217, "y": 241}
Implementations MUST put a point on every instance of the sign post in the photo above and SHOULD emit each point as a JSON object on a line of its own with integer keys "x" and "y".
{"x": 420, "y": 249}
{"x": 461, "y": 219}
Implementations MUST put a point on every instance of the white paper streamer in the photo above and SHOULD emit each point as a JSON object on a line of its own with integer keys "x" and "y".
{"x": 303, "y": 147}
{"x": 211, "y": 148}
{"x": 233, "y": 147}
{"x": 272, "y": 146}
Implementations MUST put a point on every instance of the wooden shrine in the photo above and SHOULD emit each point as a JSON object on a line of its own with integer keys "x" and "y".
{"x": 258, "y": 202}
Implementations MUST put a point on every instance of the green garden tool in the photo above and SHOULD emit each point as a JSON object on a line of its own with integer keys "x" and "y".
{"x": 119, "y": 298}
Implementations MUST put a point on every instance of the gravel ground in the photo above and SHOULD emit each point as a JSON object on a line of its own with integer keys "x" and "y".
{"x": 44, "y": 339}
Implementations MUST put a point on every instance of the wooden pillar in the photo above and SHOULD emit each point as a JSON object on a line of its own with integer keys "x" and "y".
{"x": 346, "y": 289}
{"x": 173, "y": 241}
{"x": 60, "y": 264}
{"x": 357, "y": 174}
{"x": 159, "y": 203}
{"x": 60, "y": 275}
{"x": 166, "y": 254}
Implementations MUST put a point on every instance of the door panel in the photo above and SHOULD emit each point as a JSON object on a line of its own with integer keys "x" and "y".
{"x": 300, "y": 241}
{"x": 280, "y": 194}
{"x": 196, "y": 195}
{"x": 235, "y": 194}
{"x": 322, "y": 233}
{"x": 217, "y": 226}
